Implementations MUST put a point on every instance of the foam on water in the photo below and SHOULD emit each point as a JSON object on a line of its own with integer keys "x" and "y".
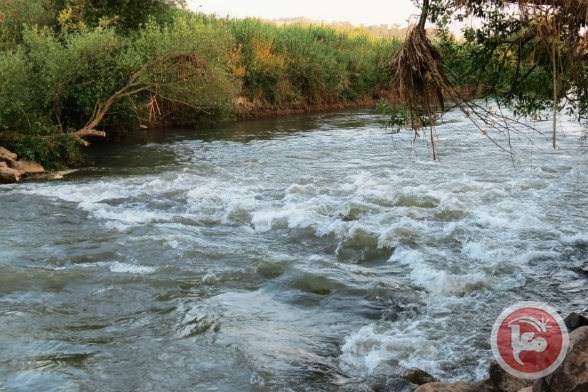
{"x": 114, "y": 266}
{"x": 281, "y": 253}
{"x": 423, "y": 344}
{"x": 126, "y": 268}
{"x": 497, "y": 228}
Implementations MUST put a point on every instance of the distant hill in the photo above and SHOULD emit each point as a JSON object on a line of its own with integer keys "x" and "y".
{"x": 381, "y": 31}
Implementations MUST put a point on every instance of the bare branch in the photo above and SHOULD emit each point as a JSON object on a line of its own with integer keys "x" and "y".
{"x": 133, "y": 87}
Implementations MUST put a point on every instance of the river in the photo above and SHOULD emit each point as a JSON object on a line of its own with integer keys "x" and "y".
{"x": 315, "y": 252}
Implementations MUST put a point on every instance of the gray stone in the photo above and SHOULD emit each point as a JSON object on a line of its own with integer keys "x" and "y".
{"x": 503, "y": 381}
{"x": 575, "y": 320}
{"x": 418, "y": 376}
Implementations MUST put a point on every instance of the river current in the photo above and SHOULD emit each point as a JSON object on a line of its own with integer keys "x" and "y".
{"x": 307, "y": 253}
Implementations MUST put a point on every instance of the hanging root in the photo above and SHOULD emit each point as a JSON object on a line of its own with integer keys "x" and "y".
{"x": 420, "y": 79}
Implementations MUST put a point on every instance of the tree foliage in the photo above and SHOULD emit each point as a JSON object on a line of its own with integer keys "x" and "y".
{"x": 529, "y": 56}
{"x": 58, "y": 86}
{"x": 529, "y": 53}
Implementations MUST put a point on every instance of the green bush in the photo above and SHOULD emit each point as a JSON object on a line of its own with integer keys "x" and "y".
{"x": 16, "y": 13}
{"x": 18, "y": 96}
{"x": 54, "y": 150}
{"x": 314, "y": 64}
{"x": 188, "y": 63}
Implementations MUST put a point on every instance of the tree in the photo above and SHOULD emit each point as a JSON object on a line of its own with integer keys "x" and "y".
{"x": 125, "y": 14}
{"x": 529, "y": 55}
{"x": 15, "y": 13}
{"x": 177, "y": 65}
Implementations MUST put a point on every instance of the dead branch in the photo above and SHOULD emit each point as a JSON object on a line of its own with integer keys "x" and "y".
{"x": 135, "y": 85}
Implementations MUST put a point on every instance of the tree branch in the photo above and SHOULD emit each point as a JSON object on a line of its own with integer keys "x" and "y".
{"x": 133, "y": 86}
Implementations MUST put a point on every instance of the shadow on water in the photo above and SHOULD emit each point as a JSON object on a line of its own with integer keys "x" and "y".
{"x": 143, "y": 151}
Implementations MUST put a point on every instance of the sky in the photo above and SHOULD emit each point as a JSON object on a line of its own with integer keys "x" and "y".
{"x": 358, "y": 12}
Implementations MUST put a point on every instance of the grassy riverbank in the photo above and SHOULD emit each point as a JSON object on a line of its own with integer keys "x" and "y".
{"x": 68, "y": 74}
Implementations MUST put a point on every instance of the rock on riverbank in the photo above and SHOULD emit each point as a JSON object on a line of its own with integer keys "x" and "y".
{"x": 13, "y": 170}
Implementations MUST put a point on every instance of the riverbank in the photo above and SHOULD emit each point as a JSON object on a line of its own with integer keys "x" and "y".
{"x": 13, "y": 169}
{"x": 178, "y": 68}
{"x": 244, "y": 109}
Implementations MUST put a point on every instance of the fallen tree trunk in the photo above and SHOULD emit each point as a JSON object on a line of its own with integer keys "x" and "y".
{"x": 86, "y": 132}
{"x": 100, "y": 111}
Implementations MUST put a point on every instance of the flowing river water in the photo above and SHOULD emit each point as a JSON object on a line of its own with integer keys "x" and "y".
{"x": 306, "y": 253}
